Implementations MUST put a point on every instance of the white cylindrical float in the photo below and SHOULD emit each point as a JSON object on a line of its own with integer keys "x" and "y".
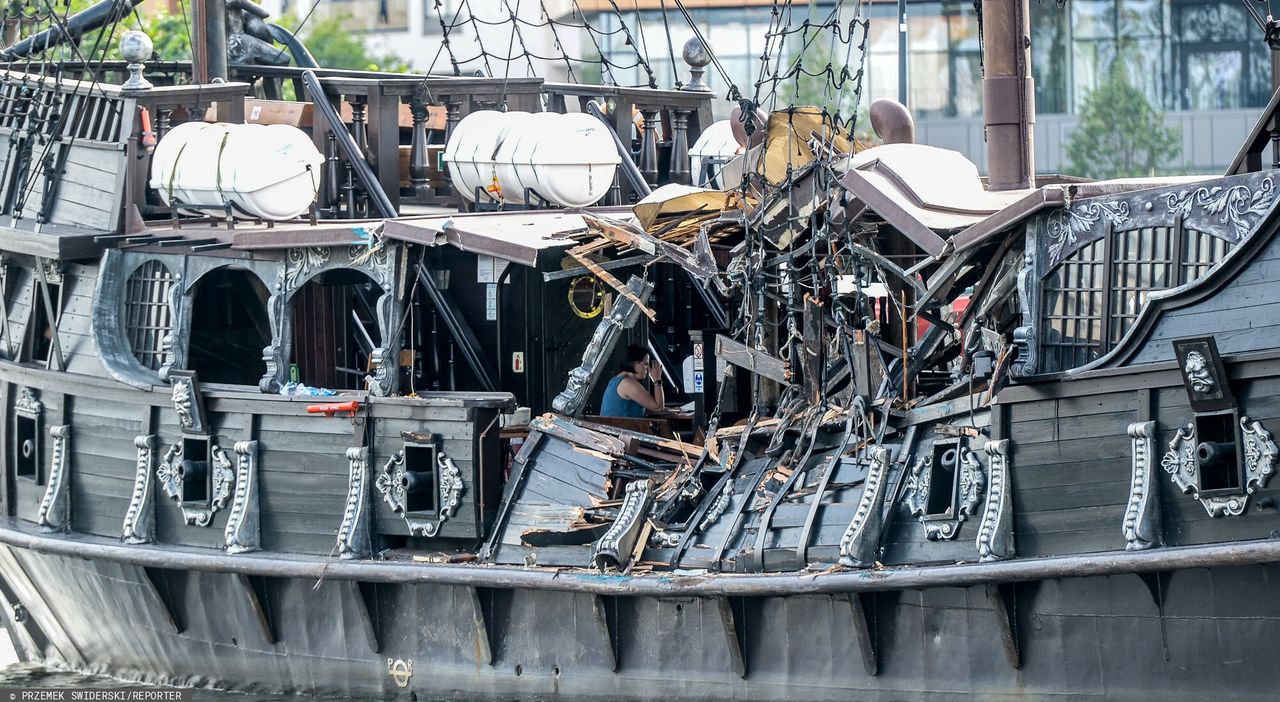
{"x": 568, "y": 160}
{"x": 268, "y": 171}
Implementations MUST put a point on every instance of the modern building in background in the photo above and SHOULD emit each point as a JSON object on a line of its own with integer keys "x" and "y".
{"x": 1203, "y": 62}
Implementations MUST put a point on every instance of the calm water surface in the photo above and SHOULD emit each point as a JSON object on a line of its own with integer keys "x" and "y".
{"x": 31, "y": 675}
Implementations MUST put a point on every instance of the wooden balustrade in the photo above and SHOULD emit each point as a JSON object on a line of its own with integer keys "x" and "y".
{"x": 673, "y": 119}
{"x": 387, "y": 112}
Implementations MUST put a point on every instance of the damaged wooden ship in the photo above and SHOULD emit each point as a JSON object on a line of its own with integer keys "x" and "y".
{"x": 1005, "y": 436}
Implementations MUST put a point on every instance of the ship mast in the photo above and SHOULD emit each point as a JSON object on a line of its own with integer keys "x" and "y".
{"x": 1008, "y": 94}
{"x": 209, "y": 45}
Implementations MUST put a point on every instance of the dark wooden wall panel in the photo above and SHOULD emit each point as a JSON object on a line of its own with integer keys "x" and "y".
{"x": 104, "y": 463}
{"x": 75, "y": 332}
{"x": 1070, "y": 465}
{"x": 303, "y": 476}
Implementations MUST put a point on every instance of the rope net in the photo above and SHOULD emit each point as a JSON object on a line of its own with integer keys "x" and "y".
{"x": 525, "y": 39}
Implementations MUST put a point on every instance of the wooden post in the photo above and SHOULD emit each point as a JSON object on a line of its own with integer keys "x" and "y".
{"x": 1008, "y": 95}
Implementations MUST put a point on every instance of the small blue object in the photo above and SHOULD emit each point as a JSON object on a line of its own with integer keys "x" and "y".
{"x": 298, "y": 389}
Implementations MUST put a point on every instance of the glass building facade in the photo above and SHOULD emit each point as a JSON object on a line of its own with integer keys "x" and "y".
{"x": 1186, "y": 55}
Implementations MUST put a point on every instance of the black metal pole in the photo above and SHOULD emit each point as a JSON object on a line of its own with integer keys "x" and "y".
{"x": 215, "y": 22}
{"x": 902, "y": 51}
{"x": 347, "y": 143}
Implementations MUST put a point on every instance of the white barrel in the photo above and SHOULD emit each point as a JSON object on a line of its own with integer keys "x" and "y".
{"x": 568, "y": 160}
{"x": 269, "y": 171}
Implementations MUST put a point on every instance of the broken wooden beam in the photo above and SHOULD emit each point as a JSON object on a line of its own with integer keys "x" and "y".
{"x": 758, "y": 362}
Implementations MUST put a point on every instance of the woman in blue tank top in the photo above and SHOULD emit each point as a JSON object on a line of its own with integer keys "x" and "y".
{"x": 626, "y": 396}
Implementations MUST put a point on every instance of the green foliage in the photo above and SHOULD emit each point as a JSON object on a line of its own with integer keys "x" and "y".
{"x": 329, "y": 39}
{"x": 168, "y": 34}
{"x": 334, "y": 45}
{"x": 1120, "y": 134}
{"x": 819, "y": 90}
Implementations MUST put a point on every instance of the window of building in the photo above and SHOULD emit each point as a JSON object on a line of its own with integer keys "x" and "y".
{"x": 148, "y": 318}
{"x": 1219, "y": 58}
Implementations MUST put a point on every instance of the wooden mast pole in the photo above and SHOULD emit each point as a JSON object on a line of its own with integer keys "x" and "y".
{"x": 1008, "y": 94}
{"x": 209, "y": 45}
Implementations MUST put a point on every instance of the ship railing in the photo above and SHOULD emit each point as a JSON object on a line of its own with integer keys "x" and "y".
{"x": 658, "y": 125}
{"x": 399, "y": 123}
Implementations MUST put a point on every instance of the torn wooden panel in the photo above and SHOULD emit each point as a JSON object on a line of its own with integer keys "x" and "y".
{"x": 758, "y": 362}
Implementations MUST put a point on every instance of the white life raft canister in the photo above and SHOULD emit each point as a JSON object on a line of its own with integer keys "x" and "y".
{"x": 569, "y": 159}
{"x": 270, "y": 171}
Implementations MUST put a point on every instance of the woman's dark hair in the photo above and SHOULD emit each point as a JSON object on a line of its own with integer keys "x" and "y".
{"x": 634, "y": 355}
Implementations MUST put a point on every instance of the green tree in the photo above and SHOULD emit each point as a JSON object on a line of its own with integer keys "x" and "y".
{"x": 335, "y": 46}
{"x": 822, "y": 90}
{"x": 168, "y": 32}
{"x": 1120, "y": 134}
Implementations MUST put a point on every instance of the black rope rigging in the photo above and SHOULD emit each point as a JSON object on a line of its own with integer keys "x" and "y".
{"x": 47, "y": 124}
{"x": 520, "y": 31}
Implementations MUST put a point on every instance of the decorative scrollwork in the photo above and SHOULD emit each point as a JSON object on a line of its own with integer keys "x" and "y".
{"x": 55, "y": 507}
{"x": 374, "y": 259}
{"x": 171, "y": 476}
{"x": 393, "y": 484}
{"x": 139, "y": 519}
{"x": 1074, "y": 221}
{"x": 300, "y": 263}
{"x": 353, "y": 534}
{"x": 995, "y": 531}
{"x": 241, "y": 534}
{"x": 661, "y": 538}
{"x": 1142, "y": 513}
{"x": 52, "y": 270}
{"x": 1198, "y": 373}
{"x": 861, "y": 540}
{"x": 972, "y": 481}
{"x": 182, "y": 402}
{"x": 718, "y": 507}
{"x": 28, "y": 403}
{"x": 1259, "y": 463}
{"x": 451, "y": 486}
{"x": 613, "y": 549}
{"x": 1236, "y": 209}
